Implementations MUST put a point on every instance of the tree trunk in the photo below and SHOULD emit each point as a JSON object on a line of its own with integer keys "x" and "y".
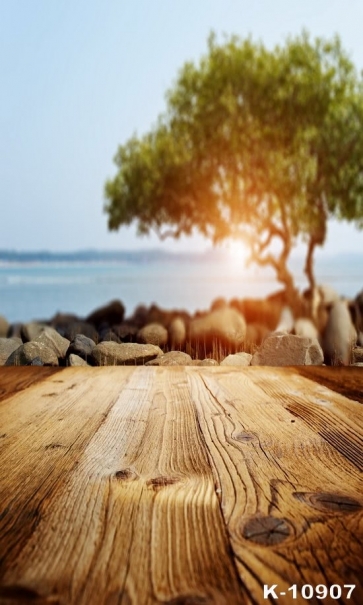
{"x": 309, "y": 264}
{"x": 293, "y": 296}
{"x": 317, "y": 238}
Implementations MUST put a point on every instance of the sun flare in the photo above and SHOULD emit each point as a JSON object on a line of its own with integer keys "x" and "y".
{"x": 237, "y": 251}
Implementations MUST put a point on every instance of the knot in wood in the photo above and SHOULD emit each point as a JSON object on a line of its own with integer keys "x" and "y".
{"x": 266, "y": 530}
{"x": 329, "y": 502}
{"x": 125, "y": 474}
{"x": 158, "y": 482}
{"x": 245, "y": 437}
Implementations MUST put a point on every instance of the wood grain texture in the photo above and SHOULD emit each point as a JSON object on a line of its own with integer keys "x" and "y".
{"x": 347, "y": 381}
{"x": 15, "y": 379}
{"x": 338, "y": 419}
{"x": 291, "y": 501}
{"x": 133, "y": 517}
{"x": 177, "y": 486}
{"x": 46, "y": 429}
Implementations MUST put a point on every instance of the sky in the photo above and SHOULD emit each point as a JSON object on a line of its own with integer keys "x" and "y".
{"x": 79, "y": 77}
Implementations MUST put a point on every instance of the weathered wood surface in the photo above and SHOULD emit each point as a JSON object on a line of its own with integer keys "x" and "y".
{"x": 178, "y": 485}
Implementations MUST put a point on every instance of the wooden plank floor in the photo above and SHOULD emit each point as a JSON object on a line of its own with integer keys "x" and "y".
{"x": 180, "y": 486}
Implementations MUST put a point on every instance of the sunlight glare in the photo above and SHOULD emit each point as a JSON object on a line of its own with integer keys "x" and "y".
{"x": 238, "y": 252}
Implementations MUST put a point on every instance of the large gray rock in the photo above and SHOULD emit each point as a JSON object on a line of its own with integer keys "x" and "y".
{"x": 281, "y": 349}
{"x": 339, "y": 335}
{"x": 7, "y": 347}
{"x": 81, "y": 346}
{"x": 31, "y": 331}
{"x": 226, "y": 325}
{"x": 153, "y": 334}
{"x": 4, "y": 327}
{"x": 238, "y": 359}
{"x": 50, "y": 338}
{"x": 172, "y": 358}
{"x": 30, "y": 351}
{"x": 127, "y": 353}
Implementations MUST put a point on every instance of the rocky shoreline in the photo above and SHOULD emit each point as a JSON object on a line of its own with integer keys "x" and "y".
{"x": 237, "y": 333}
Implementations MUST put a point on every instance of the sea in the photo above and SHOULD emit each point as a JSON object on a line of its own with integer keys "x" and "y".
{"x": 38, "y": 290}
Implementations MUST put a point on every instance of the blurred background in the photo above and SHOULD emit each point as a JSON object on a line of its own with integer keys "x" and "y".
{"x": 78, "y": 79}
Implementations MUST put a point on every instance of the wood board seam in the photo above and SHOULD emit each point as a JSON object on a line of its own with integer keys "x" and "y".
{"x": 231, "y": 552}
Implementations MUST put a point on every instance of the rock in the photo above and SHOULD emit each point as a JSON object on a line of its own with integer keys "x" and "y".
{"x": 14, "y": 331}
{"x": 265, "y": 312}
{"x": 110, "y": 314}
{"x": 62, "y": 320}
{"x": 280, "y": 349}
{"x": 255, "y": 334}
{"x": 75, "y": 361}
{"x": 305, "y": 327}
{"x": 139, "y": 317}
{"x": 328, "y": 294}
{"x": 36, "y": 362}
{"x": 126, "y": 331}
{"x": 31, "y": 331}
{"x": 111, "y": 353}
{"x": 28, "y": 352}
{"x": 358, "y": 355}
{"x": 108, "y": 335}
{"x": 177, "y": 332}
{"x": 339, "y": 335}
{"x": 218, "y": 303}
{"x": 172, "y": 358}
{"x": 207, "y": 362}
{"x": 71, "y": 330}
{"x": 81, "y": 346}
{"x": 157, "y": 315}
{"x": 7, "y": 347}
{"x": 238, "y": 359}
{"x": 4, "y": 327}
{"x": 50, "y": 338}
{"x": 225, "y": 325}
{"x": 356, "y": 310}
{"x": 153, "y": 334}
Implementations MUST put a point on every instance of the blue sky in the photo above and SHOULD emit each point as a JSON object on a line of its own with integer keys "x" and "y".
{"x": 79, "y": 77}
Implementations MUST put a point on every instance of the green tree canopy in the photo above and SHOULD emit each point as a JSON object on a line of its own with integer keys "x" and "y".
{"x": 255, "y": 143}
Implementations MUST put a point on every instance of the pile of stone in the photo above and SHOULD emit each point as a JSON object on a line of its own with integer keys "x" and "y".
{"x": 238, "y": 333}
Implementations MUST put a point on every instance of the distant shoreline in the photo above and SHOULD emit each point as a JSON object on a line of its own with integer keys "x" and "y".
{"x": 15, "y": 257}
{"x": 102, "y": 256}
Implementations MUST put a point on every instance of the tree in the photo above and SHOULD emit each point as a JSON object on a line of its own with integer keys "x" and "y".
{"x": 255, "y": 143}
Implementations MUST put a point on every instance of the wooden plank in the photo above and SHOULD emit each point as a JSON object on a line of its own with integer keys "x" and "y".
{"x": 15, "y": 379}
{"x": 46, "y": 428}
{"x": 347, "y": 381}
{"x": 292, "y": 503}
{"x": 137, "y": 519}
{"x": 331, "y": 415}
